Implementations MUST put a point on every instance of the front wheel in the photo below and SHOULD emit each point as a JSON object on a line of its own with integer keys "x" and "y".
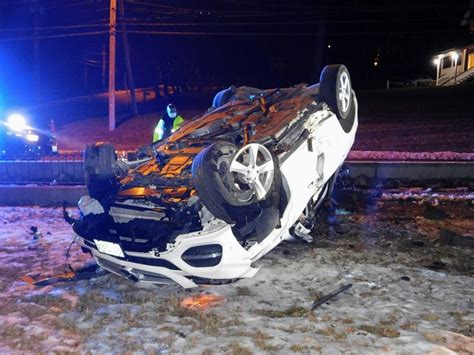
{"x": 99, "y": 173}
{"x": 229, "y": 181}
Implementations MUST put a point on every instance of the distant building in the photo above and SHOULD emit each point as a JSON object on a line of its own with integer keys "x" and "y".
{"x": 455, "y": 65}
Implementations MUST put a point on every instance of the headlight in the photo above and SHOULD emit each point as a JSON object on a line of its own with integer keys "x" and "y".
{"x": 32, "y": 137}
{"x": 16, "y": 122}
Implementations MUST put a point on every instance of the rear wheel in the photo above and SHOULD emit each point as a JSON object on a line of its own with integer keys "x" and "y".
{"x": 335, "y": 89}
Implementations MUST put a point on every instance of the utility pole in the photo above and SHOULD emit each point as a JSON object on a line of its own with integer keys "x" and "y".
{"x": 113, "y": 24}
{"x": 36, "y": 55}
{"x": 126, "y": 53}
{"x": 103, "y": 68}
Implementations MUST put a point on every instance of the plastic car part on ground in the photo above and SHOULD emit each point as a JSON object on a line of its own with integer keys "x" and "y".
{"x": 223, "y": 190}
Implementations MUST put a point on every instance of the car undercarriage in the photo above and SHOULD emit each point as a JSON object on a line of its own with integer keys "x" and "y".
{"x": 222, "y": 191}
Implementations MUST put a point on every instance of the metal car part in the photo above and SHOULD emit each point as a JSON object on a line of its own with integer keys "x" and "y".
{"x": 253, "y": 166}
{"x": 88, "y": 205}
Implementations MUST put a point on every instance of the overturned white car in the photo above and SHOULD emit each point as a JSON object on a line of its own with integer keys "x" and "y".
{"x": 225, "y": 189}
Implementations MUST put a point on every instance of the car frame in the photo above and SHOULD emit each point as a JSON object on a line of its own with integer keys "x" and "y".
{"x": 225, "y": 189}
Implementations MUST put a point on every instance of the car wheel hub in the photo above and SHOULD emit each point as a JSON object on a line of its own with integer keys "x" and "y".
{"x": 252, "y": 175}
{"x": 253, "y": 164}
{"x": 344, "y": 94}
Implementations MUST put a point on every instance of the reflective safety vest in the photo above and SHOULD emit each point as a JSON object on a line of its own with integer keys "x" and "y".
{"x": 162, "y": 130}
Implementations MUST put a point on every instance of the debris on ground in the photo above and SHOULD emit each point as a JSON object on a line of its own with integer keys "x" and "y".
{"x": 329, "y": 296}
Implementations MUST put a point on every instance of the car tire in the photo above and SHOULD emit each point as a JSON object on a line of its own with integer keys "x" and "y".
{"x": 99, "y": 174}
{"x": 335, "y": 89}
{"x": 218, "y": 188}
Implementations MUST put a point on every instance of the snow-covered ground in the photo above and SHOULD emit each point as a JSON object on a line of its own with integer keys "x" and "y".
{"x": 409, "y": 295}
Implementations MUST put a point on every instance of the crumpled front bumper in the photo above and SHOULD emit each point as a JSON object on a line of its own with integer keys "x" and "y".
{"x": 170, "y": 266}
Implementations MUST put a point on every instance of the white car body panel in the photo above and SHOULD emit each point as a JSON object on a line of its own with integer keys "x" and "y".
{"x": 306, "y": 171}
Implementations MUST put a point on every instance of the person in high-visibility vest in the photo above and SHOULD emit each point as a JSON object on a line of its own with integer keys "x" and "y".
{"x": 169, "y": 123}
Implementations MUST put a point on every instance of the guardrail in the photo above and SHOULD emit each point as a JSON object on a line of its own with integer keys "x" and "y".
{"x": 62, "y": 169}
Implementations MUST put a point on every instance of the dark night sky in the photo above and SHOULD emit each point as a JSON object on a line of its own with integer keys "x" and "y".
{"x": 260, "y": 43}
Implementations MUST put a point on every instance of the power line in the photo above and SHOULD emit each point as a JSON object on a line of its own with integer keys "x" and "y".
{"x": 51, "y": 27}
{"x": 93, "y": 63}
{"x": 28, "y": 2}
{"x": 368, "y": 33}
{"x": 181, "y": 9}
{"x": 69, "y": 5}
{"x": 198, "y": 11}
{"x": 53, "y": 36}
{"x": 193, "y": 33}
{"x": 160, "y": 24}
{"x": 304, "y": 11}
{"x": 228, "y": 33}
